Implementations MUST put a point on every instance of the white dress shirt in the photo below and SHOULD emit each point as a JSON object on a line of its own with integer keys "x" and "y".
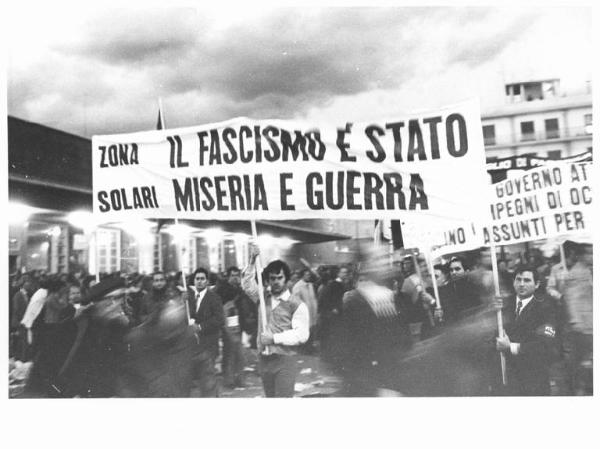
{"x": 516, "y": 347}
{"x": 199, "y": 297}
{"x": 524, "y": 303}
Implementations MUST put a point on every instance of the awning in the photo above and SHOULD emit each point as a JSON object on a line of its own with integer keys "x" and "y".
{"x": 58, "y": 200}
{"x": 274, "y": 228}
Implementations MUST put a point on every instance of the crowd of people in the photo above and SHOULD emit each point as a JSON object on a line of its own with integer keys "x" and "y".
{"x": 133, "y": 335}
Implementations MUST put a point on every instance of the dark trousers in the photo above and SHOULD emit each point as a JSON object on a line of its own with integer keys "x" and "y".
{"x": 233, "y": 358}
{"x": 204, "y": 374}
{"x": 278, "y": 373}
{"x": 578, "y": 349}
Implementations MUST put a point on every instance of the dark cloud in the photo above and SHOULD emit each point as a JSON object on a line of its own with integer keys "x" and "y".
{"x": 290, "y": 54}
{"x": 126, "y": 36}
{"x": 278, "y": 65}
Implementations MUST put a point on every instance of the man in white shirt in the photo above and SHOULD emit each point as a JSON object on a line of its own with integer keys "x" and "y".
{"x": 286, "y": 328}
{"x": 206, "y": 311}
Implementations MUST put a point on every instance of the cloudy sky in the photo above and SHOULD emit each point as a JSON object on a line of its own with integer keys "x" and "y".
{"x": 99, "y": 71}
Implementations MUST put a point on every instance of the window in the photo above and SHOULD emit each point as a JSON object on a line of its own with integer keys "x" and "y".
{"x": 527, "y": 131}
{"x": 588, "y": 123}
{"x": 552, "y": 131}
{"x": 109, "y": 245}
{"x": 555, "y": 155}
{"x": 489, "y": 135}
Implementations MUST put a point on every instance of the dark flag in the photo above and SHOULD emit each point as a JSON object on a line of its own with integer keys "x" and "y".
{"x": 386, "y": 230}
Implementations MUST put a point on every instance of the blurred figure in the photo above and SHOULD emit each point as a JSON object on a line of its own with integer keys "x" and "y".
{"x": 55, "y": 334}
{"x": 305, "y": 291}
{"x": 160, "y": 353}
{"x": 448, "y": 311}
{"x": 418, "y": 304}
{"x": 235, "y": 309}
{"x": 18, "y": 306}
{"x": 331, "y": 304}
{"x": 295, "y": 276}
{"x": 98, "y": 354}
{"x": 373, "y": 335}
{"x": 577, "y": 286}
{"x": 465, "y": 292}
{"x": 153, "y": 299}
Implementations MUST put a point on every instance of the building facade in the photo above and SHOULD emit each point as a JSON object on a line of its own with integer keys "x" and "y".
{"x": 51, "y": 227}
{"x": 537, "y": 119}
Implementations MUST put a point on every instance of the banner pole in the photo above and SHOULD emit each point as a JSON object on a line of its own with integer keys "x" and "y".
{"x": 420, "y": 276}
{"x": 433, "y": 281}
{"x": 563, "y": 259}
{"x": 180, "y": 266}
{"x": 96, "y": 258}
{"x": 261, "y": 293}
{"x": 498, "y": 312}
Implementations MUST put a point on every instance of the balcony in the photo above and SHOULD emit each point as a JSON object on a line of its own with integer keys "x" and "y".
{"x": 552, "y": 135}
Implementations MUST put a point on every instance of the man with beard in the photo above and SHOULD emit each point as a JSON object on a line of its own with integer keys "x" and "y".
{"x": 287, "y": 327}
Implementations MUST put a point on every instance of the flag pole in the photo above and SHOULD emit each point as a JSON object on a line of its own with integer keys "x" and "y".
{"x": 261, "y": 293}
{"x": 420, "y": 276}
{"x": 563, "y": 259}
{"x": 96, "y": 258}
{"x": 433, "y": 281}
{"x": 161, "y": 125}
{"x": 499, "y": 311}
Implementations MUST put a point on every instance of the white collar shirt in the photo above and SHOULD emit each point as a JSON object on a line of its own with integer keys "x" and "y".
{"x": 199, "y": 297}
{"x": 283, "y": 296}
{"x": 524, "y": 303}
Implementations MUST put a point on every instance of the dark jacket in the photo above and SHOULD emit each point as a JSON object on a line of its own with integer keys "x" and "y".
{"x": 237, "y": 302}
{"x": 330, "y": 298}
{"x": 535, "y": 330}
{"x": 18, "y": 304}
{"x": 210, "y": 319}
{"x": 462, "y": 294}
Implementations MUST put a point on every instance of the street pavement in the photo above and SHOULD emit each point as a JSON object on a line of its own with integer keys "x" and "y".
{"x": 314, "y": 379}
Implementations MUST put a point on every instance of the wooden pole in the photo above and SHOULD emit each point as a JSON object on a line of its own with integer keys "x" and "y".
{"x": 261, "y": 293}
{"x": 418, "y": 272}
{"x": 563, "y": 259}
{"x": 96, "y": 258}
{"x": 433, "y": 281}
{"x": 180, "y": 266}
{"x": 498, "y": 312}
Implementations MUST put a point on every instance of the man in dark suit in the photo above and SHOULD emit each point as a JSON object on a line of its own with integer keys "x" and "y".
{"x": 529, "y": 342}
{"x": 206, "y": 311}
{"x": 331, "y": 304}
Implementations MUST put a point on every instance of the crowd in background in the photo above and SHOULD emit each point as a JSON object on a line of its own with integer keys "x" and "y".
{"x": 45, "y": 308}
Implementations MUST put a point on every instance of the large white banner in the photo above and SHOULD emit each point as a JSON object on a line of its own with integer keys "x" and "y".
{"x": 549, "y": 201}
{"x": 429, "y": 163}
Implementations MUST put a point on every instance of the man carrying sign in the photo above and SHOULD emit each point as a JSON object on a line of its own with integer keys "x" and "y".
{"x": 530, "y": 339}
{"x": 287, "y": 327}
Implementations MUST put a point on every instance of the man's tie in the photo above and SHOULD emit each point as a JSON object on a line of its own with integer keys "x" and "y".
{"x": 519, "y": 307}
